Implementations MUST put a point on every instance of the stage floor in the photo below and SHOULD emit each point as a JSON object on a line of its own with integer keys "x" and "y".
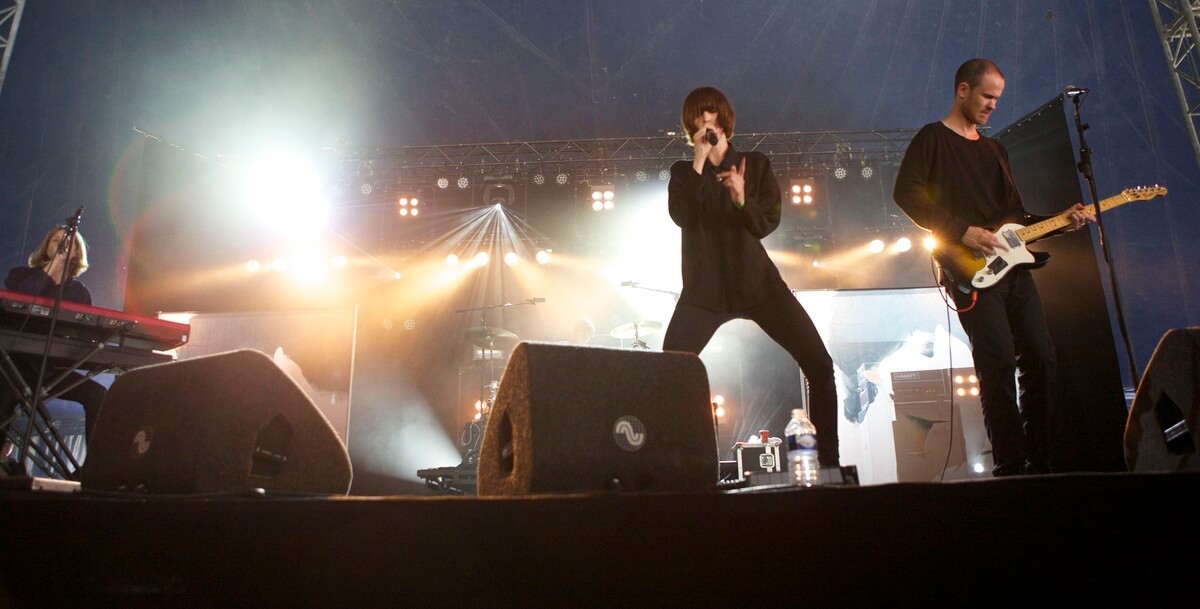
{"x": 1078, "y": 537}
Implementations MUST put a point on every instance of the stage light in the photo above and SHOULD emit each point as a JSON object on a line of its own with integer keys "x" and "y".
{"x": 452, "y": 260}
{"x": 511, "y": 258}
{"x": 482, "y": 258}
{"x": 903, "y": 244}
{"x": 663, "y": 175}
{"x": 973, "y": 379}
{"x": 930, "y": 243}
{"x": 974, "y": 391}
{"x": 410, "y": 324}
{"x": 719, "y": 411}
{"x": 803, "y": 191}
{"x": 396, "y": 275}
{"x": 839, "y": 172}
{"x": 539, "y": 179}
{"x": 366, "y": 188}
{"x": 252, "y": 266}
{"x": 640, "y": 176}
{"x": 414, "y": 212}
{"x": 443, "y": 183}
{"x": 958, "y": 379}
{"x": 561, "y": 178}
{"x": 338, "y": 262}
{"x": 542, "y": 257}
{"x": 403, "y": 211}
{"x": 718, "y": 399}
{"x": 961, "y": 392}
{"x": 867, "y": 171}
{"x": 603, "y": 196}
{"x": 816, "y": 264}
{"x": 463, "y": 182}
{"x": 978, "y": 468}
{"x": 875, "y": 246}
{"x": 285, "y": 192}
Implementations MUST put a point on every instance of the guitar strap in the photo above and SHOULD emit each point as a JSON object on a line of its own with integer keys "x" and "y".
{"x": 1007, "y": 172}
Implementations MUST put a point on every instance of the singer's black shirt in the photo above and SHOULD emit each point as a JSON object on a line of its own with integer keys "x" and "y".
{"x": 725, "y": 266}
{"x": 35, "y": 282}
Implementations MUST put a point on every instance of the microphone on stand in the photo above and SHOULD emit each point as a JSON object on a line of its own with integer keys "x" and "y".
{"x": 1072, "y": 91}
{"x": 534, "y": 301}
{"x": 628, "y": 284}
{"x": 73, "y": 221}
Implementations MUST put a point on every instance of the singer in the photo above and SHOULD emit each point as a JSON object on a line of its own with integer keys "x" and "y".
{"x": 725, "y": 202}
{"x": 47, "y": 269}
{"x": 955, "y": 182}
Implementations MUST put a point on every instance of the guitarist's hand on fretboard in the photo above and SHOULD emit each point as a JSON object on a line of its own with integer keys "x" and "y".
{"x": 982, "y": 240}
{"x": 1079, "y": 216}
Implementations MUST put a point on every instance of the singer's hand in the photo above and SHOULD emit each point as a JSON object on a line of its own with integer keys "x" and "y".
{"x": 54, "y": 268}
{"x": 702, "y": 148}
{"x": 735, "y": 181}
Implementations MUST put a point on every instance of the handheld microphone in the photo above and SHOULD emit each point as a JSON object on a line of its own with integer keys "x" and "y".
{"x": 712, "y": 137}
{"x": 627, "y": 284}
{"x": 536, "y": 300}
{"x": 1072, "y": 90}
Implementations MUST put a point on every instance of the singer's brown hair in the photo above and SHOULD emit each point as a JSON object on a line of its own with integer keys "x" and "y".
{"x": 79, "y": 259}
{"x": 707, "y": 99}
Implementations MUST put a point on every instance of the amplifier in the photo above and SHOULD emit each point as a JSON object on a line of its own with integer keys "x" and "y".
{"x": 911, "y": 386}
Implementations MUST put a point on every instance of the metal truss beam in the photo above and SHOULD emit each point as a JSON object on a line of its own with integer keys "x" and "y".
{"x": 10, "y": 18}
{"x": 797, "y": 153}
{"x": 1175, "y": 21}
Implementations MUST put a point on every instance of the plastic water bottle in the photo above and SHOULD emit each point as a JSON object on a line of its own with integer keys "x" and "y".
{"x": 802, "y": 449}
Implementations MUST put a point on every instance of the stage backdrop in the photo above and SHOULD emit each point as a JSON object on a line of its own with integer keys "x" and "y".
{"x": 1090, "y": 410}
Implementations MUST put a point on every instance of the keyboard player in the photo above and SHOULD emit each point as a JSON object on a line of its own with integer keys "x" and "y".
{"x": 47, "y": 268}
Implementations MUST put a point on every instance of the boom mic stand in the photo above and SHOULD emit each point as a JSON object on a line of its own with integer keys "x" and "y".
{"x": 1077, "y": 96}
{"x": 66, "y": 246}
{"x": 487, "y": 391}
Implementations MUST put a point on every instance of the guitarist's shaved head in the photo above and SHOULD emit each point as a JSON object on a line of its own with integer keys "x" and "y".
{"x": 973, "y": 71}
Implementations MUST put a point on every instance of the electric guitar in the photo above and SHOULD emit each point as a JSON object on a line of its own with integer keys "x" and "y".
{"x": 971, "y": 270}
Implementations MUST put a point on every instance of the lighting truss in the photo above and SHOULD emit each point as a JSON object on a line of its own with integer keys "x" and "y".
{"x": 1175, "y": 21}
{"x": 10, "y": 18}
{"x": 809, "y": 152}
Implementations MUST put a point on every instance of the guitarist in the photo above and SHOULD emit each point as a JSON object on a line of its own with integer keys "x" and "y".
{"x": 955, "y": 182}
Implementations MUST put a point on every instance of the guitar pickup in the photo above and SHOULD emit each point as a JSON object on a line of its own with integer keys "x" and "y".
{"x": 997, "y": 265}
{"x": 1011, "y": 237}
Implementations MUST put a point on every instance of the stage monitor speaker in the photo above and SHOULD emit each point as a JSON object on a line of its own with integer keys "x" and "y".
{"x": 1160, "y": 434}
{"x": 226, "y": 422}
{"x": 570, "y": 418}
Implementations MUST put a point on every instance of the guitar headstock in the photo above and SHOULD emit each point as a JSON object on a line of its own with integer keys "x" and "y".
{"x": 1143, "y": 193}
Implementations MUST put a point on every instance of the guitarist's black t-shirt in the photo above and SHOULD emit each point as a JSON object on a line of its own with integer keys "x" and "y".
{"x": 948, "y": 182}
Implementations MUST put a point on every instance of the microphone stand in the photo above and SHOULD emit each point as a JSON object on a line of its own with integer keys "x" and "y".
{"x": 1085, "y": 167}
{"x": 487, "y": 392}
{"x": 66, "y": 246}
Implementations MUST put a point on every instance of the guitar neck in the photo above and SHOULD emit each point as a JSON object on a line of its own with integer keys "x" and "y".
{"x": 1045, "y": 227}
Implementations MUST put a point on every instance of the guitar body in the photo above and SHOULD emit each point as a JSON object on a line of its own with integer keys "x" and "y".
{"x": 973, "y": 271}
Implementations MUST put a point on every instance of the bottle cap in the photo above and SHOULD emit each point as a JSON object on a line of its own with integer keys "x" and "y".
{"x": 799, "y": 413}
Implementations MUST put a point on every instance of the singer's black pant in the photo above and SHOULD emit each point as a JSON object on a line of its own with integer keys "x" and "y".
{"x": 788, "y": 324}
{"x": 1010, "y": 345}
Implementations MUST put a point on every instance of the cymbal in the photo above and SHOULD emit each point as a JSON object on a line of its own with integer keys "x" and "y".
{"x": 489, "y": 336}
{"x": 636, "y": 329}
